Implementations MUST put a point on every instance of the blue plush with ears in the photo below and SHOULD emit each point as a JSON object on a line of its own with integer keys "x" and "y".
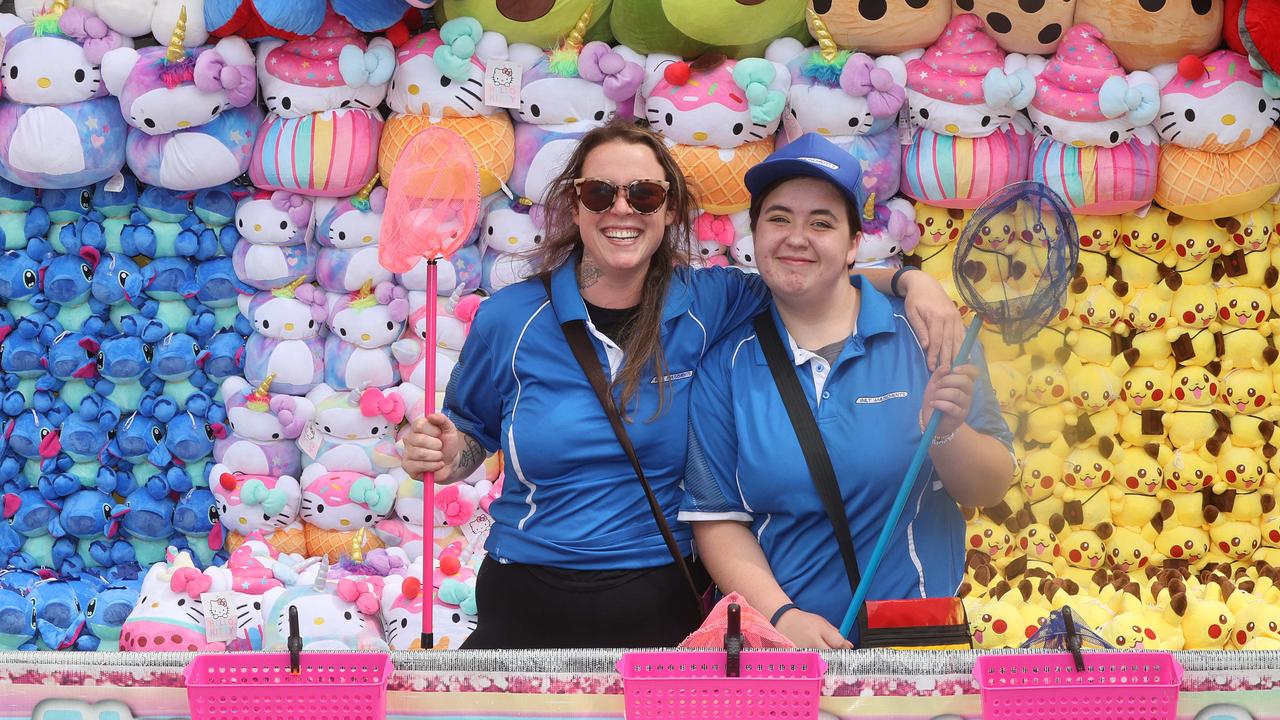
{"x": 84, "y": 436}
{"x": 109, "y": 609}
{"x": 20, "y": 280}
{"x": 22, "y": 355}
{"x": 173, "y": 360}
{"x": 70, "y": 365}
{"x": 124, "y": 362}
{"x": 190, "y": 435}
{"x": 139, "y": 437}
{"x": 17, "y": 620}
{"x": 86, "y": 587}
{"x": 65, "y": 207}
{"x": 223, "y": 356}
{"x": 164, "y": 225}
{"x": 66, "y": 281}
{"x": 168, "y": 282}
{"x": 196, "y": 517}
{"x": 117, "y": 283}
{"x": 87, "y": 529}
{"x": 217, "y": 288}
{"x": 216, "y": 209}
{"x": 149, "y": 522}
{"x": 21, "y": 218}
{"x": 113, "y": 210}
{"x": 30, "y": 520}
{"x": 60, "y": 618}
{"x": 32, "y": 437}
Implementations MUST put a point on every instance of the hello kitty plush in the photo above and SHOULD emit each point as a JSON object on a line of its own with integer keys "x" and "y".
{"x": 322, "y": 93}
{"x": 453, "y": 322}
{"x": 349, "y": 233}
{"x": 264, "y": 427}
{"x": 275, "y": 233}
{"x": 964, "y": 91}
{"x": 59, "y": 127}
{"x": 1084, "y": 99}
{"x": 403, "y": 526}
{"x": 714, "y": 235}
{"x": 287, "y": 341}
{"x": 338, "y": 504}
{"x": 250, "y": 502}
{"x": 718, "y": 117}
{"x": 169, "y": 616}
{"x": 362, "y": 325}
{"x": 512, "y": 231}
{"x": 326, "y": 619}
{"x": 439, "y": 80}
{"x": 848, "y": 98}
{"x": 463, "y": 270}
{"x": 563, "y": 94}
{"x": 192, "y": 112}
{"x": 887, "y": 234}
{"x": 402, "y": 602}
{"x": 1222, "y": 149}
{"x": 356, "y": 430}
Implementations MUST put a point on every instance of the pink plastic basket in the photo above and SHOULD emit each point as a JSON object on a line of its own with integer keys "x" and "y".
{"x": 1113, "y": 686}
{"x": 330, "y": 686}
{"x": 771, "y": 685}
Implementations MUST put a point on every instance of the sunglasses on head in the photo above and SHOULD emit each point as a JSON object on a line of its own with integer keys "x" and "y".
{"x": 644, "y": 196}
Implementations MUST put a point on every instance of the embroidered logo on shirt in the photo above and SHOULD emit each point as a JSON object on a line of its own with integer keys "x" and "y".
{"x": 675, "y": 376}
{"x": 880, "y": 398}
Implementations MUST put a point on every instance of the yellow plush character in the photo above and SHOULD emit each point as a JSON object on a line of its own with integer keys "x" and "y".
{"x": 1200, "y": 419}
{"x": 1188, "y": 472}
{"x": 1095, "y": 327}
{"x": 1178, "y": 544}
{"x": 1246, "y": 331}
{"x": 1139, "y": 475}
{"x": 1247, "y": 258}
{"x": 939, "y": 226}
{"x": 1095, "y": 391}
{"x": 1194, "y": 315}
{"x": 1129, "y": 550}
{"x": 1249, "y": 397}
{"x": 1147, "y": 395}
{"x": 1009, "y": 381}
{"x": 994, "y": 346}
{"x": 1048, "y": 403}
{"x": 1085, "y": 552}
{"x": 1099, "y": 247}
{"x": 1138, "y": 629}
{"x": 994, "y": 623}
{"x": 990, "y": 538}
{"x": 1195, "y": 243}
{"x": 1257, "y": 625}
{"x": 1041, "y": 469}
{"x": 1244, "y": 470}
{"x": 1147, "y": 313}
{"x": 1204, "y": 613}
{"x": 1085, "y": 471}
{"x": 1269, "y": 523}
{"x": 1147, "y": 258}
{"x": 1233, "y": 541}
{"x": 1040, "y": 546}
{"x": 1049, "y": 344}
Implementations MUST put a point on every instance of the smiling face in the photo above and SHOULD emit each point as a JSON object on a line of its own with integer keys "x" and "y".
{"x": 1145, "y": 388}
{"x": 49, "y": 70}
{"x": 804, "y": 240}
{"x": 621, "y": 241}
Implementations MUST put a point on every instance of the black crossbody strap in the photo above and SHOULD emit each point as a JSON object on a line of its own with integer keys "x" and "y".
{"x": 806, "y": 429}
{"x": 575, "y": 333}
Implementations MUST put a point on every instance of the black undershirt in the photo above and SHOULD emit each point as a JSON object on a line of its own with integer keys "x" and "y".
{"x": 614, "y": 323}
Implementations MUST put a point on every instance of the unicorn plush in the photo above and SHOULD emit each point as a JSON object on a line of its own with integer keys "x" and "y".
{"x": 403, "y": 526}
{"x": 263, "y": 428}
{"x": 888, "y": 231}
{"x": 59, "y": 127}
{"x": 356, "y": 429}
{"x": 453, "y": 321}
{"x": 169, "y": 615}
{"x": 288, "y": 323}
{"x": 329, "y": 619}
{"x": 349, "y": 232}
{"x": 512, "y": 230}
{"x": 362, "y": 326}
{"x": 274, "y": 249}
{"x": 192, "y": 113}
{"x": 402, "y": 603}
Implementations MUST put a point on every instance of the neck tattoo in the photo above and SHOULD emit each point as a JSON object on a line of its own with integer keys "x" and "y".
{"x": 588, "y": 273}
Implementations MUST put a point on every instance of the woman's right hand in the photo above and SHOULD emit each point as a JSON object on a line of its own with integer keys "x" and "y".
{"x": 808, "y": 630}
{"x": 432, "y": 445}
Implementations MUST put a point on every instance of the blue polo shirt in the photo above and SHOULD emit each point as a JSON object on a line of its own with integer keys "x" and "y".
{"x": 745, "y": 462}
{"x": 570, "y": 498}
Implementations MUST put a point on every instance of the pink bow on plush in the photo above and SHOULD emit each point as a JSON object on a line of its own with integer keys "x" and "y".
{"x": 297, "y": 207}
{"x": 363, "y": 593}
{"x": 599, "y": 63}
{"x": 93, "y": 35}
{"x": 861, "y": 78}
{"x": 374, "y": 402}
{"x": 456, "y": 508}
{"x": 191, "y": 581}
{"x": 714, "y": 227}
{"x": 213, "y": 73}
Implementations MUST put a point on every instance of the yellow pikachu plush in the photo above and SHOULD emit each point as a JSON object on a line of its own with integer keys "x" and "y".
{"x": 1194, "y": 316}
{"x": 1047, "y": 399}
{"x": 1040, "y": 546}
{"x": 1257, "y": 625}
{"x": 1095, "y": 328}
{"x": 1147, "y": 313}
{"x": 1233, "y": 541}
{"x": 1139, "y": 475}
{"x": 1099, "y": 247}
{"x": 1195, "y": 244}
{"x": 1095, "y": 391}
{"x": 1039, "y": 480}
{"x": 1049, "y": 344}
{"x": 1085, "y": 552}
{"x": 1247, "y": 258}
{"x": 983, "y": 535}
{"x": 1009, "y": 381}
{"x": 1129, "y": 549}
{"x": 1085, "y": 471}
{"x": 994, "y": 623}
{"x": 1204, "y": 613}
{"x": 1187, "y": 472}
{"x": 1244, "y": 470}
{"x": 1179, "y": 544}
{"x": 939, "y": 226}
{"x": 1249, "y": 400}
{"x": 1200, "y": 419}
{"x": 1147, "y": 258}
{"x": 1148, "y": 397}
{"x": 1140, "y": 628}
{"x": 995, "y": 348}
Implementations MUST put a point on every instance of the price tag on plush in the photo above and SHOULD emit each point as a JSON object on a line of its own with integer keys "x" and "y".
{"x": 219, "y": 616}
{"x": 502, "y": 84}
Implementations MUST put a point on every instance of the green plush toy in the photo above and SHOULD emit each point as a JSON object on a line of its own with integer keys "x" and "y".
{"x": 691, "y": 27}
{"x": 537, "y": 22}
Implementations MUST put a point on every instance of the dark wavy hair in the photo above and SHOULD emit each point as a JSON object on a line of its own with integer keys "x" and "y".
{"x": 643, "y": 342}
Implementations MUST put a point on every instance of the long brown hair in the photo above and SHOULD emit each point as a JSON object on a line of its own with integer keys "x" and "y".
{"x": 643, "y": 343}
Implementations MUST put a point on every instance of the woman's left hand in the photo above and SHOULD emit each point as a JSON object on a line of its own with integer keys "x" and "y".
{"x": 933, "y": 317}
{"x": 950, "y": 391}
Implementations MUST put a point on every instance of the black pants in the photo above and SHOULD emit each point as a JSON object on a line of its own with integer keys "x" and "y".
{"x": 528, "y": 607}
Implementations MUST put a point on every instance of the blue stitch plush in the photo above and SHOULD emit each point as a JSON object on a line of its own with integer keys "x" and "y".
{"x": 163, "y": 225}
{"x": 21, "y": 219}
{"x": 86, "y": 586}
{"x": 216, "y": 209}
{"x": 66, "y": 280}
{"x": 32, "y": 438}
{"x": 113, "y": 210}
{"x": 60, "y": 618}
{"x": 29, "y": 518}
{"x": 149, "y": 522}
{"x": 196, "y": 517}
{"x": 223, "y": 356}
{"x": 17, "y": 620}
{"x": 84, "y": 436}
{"x": 217, "y": 288}
{"x": 124, "y": 362}
{"x": 70, "y": 365}
{"x": 190, "y": 436}
{"x": 87, "y": 529}
{"x": 168, "y": 281}
{"x": 174, "y": 361}
{"x": 117, "y": 283}
{"x": 64, "y": 208}
{"x": 109, "y": 609}
{"x": 20, "y": 280}
{"x": 22, "y": 363}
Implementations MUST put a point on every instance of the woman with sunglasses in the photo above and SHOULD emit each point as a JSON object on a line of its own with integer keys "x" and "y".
{"x": 575, "y": 555}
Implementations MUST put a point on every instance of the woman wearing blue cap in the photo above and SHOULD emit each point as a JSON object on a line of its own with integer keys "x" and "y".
{"x": 576, "y": 555}
{"x": 760, "y": 527}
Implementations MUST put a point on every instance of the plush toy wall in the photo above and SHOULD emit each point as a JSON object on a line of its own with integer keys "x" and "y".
{"x": 205, "y": 370}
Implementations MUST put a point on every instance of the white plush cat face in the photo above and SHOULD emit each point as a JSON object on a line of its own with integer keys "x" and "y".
{"x": 946, "y": 118}
{"x": 260, "y": 426}
{"x": 419, "y": 88}
{"x": 829, "y": 111}
{"x": 370, "y": 327}
{"x": 284, "y": 318}
{"x": 1233, "y": 118}
{"x": 708, "y": 124}
{"x": 262, "y": 223}
{"x": 355, "y": 229}
{"x": 509, "y": 231}
{"x": 1076, "y": 133}
{"x": 571, "y": 103}
{"x": 290, "y": 100}
{"x": 328, "y": 513}
{"x": 158, "y": 600}
{"x": 450, "y": 332}
{"x": 323, "y": 615}
{"x": 347, "y": 423}
{"x": 49, "y": 70}
{"x": 163, "y": 110}
{"x": 243, "y": 518}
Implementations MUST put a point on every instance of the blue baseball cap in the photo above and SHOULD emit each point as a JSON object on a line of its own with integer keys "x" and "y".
{"x": 809, "y": 155}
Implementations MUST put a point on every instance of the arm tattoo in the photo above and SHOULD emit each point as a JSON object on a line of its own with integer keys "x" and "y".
{"x": 588, "y": 273}
{"x": 468, "y": 460}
